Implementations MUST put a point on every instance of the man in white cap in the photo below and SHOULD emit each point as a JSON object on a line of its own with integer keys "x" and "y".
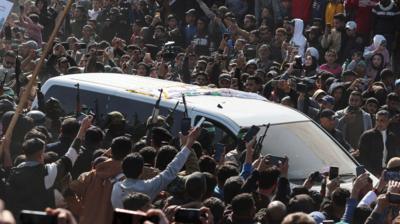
{"x": 353, "y": 42}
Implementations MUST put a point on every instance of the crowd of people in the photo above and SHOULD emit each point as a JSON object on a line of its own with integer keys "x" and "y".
{"x": 335, "y": 61}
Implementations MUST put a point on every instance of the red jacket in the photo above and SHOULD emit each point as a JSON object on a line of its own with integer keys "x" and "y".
{"x": 302, "y": 9}
{"x": 361, "y": 10}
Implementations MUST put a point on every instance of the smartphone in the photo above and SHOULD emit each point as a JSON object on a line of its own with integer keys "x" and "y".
{"x": 187, "y": 215}
{"x": 185, "y": 126}
{"x": 392, "y": 175}
{"x": 36, "y": 217}
{"x": 219, "y": 150}
{"x": 333, "y": 172}
{"x": 251, "y": 133}
{"x": 201, "y": 121}
{"x": 317, "y": 177}
{"x": 276, "y": 159}
{"x": 394, "y": 198}
{"x": 122, "y": 216}
{"x": 360, "y": 170}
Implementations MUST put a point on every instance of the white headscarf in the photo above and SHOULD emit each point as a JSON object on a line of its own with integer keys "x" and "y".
{"x": 378, "y": 39}
{"x": 298, "y": 38}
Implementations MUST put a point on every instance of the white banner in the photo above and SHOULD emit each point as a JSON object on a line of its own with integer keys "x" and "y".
{"x": 5, "y": 9}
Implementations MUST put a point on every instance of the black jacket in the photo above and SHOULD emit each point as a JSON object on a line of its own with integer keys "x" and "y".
{"x": 60, "y": 147}
{"x": 371, "y": 149}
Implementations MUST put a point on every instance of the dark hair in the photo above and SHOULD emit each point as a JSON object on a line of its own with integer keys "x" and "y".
{"x": 149, "y": 154}
{"x": 361, "y": 214}
{"x": 42, "y": 129}
{"x": 33, "y": 133}
{"x": 69, "y": 127}
{"x": 232, "y": 187}
{"x": 33, "y": 145}
{"x": 94, "y": 136}
{"x": 166, "y": 154}
{"x": 160, "y": 135}
{"x": 386, "y": 73}
{"x": 19, "y": 159}
{"x": 339, "y": 197}
{"x": 50, "y": 157}
{"x": 98, "y": 160}
{"x": 356, "y": 93}
{"x": 99, "y": 67}
{"x": 301, "y": 203}
{"x": 138, "y": 146}
{"x": 132, "y": 165}
{"x": 281, "y": 30}
{"x": 216, "y": 207}
{"x": 224, "y": 172}
{"x": 34, "y": 17}
{"x": 268, "y": 178}
{"x": 256, "y": 79}
{"x": 120, "y": 147}
{"x": 211, "y": 182}
{"x": 207, "y": 164}
{"x": 198, "y": 149}
{"x": 98, "y": 153}
{"x": 195, "y": 186}
{"x": 136, "y": 201}
{"x": 243, "y": 205}
{"x": 340, "y": 16}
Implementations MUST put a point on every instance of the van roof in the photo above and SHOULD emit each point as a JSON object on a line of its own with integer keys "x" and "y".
{"x": 239, "y": 106}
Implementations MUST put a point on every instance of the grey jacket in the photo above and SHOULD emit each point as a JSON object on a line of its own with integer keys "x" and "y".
{"x": 342, "y": 125}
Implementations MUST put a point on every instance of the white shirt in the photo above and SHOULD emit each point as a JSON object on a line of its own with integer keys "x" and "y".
{"x": 385, "y": 152}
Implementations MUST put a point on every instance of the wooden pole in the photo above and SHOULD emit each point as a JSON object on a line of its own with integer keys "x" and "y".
{"x": 28, "y": 90}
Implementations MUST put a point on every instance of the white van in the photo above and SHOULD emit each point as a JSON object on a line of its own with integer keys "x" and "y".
{"x": 291, "y": 133}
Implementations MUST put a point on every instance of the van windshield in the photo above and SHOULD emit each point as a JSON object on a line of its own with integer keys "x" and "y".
{"x": 309, "y": 149}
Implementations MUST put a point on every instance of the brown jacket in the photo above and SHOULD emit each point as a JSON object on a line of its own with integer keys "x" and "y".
{"x": 94, "y": 192}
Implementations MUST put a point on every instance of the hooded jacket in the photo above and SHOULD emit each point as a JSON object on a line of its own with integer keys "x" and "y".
{"x": 370, "y": 50}
{"x": 94, "y": 191}
{"x": 298, "y": 38}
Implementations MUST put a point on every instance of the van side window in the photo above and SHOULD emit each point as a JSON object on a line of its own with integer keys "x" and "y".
{"x": 215, "y": 132}
{"x": 133, "y": 110}
{"x": 67, "y": 97}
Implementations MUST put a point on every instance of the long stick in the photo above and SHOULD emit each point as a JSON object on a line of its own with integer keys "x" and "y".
{"x": 28, "y": 90}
